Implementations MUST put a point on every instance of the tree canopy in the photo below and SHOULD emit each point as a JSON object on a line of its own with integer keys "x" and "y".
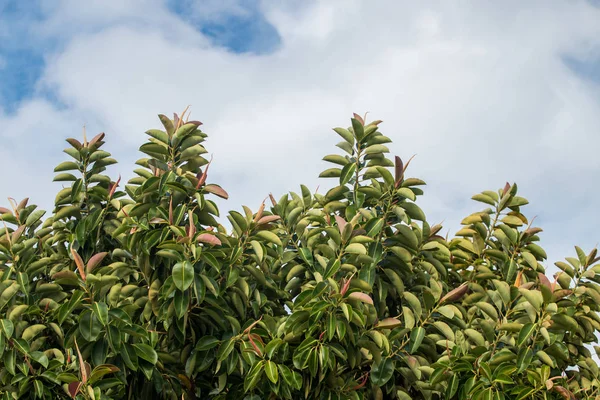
{"x": 142, "y": 292}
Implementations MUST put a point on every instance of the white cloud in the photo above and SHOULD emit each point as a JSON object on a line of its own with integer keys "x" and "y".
{"x": 480, "y": 94}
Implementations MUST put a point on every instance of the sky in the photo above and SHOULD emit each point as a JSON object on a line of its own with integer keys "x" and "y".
{"x": 481, "y": 92}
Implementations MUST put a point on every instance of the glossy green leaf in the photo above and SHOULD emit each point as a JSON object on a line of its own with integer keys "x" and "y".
{"x": 183, "y": 275}
{"x": 145, "y": 352}
{"x": 382, "y": 371}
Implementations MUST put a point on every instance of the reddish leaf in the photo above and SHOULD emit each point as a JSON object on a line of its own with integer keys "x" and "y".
{"x": 217, "y": 191}
{"x": 559, "y": 294}
{"x": 82, "y": 367}
{"x": 260, "y": 211}
{"x": 79, "y": 263}
{"x": 176, "y": 121}
{"x": 112, "y": 187}
{"x": 65, "y": 274}
{"x": 412, "y": 362}
{"x": 5, "y": 210}
{"x": 359, "y": 119}
{"x": 272, "y": 199}
{"x": 435, "y": 229}
{"x": 399, "y": 171}
{"x": 96, "y": 139}
{"x": 94, "y": 261}
{"x": 544, "y": 280}
{"x": 519, "y": 278}
{"x": 346, "y": 285}
{"x": 208, "y": 238}
{"x": 197, "y": 123}
{"x": 533, "y": 231}
{"x": 179, "y": 120}
{"x": 17, "y": 233}
{"x": 506, "y": 188}
{"x": 565, "y": 393}
{"x": 456, "y": 293}
{"x": 268, "y": 218}
{"x": 191, "y": 228}
{"x": 202, "y": 179}
{"x": 365, "y": 298}
{"x": 256, "y": 349}
{"x": 75, "y": 143}
{"x": 23, "y": 203}
{"x": 362, "y": 383}
{"x": 341, "y": 223}
{"x": 74, "y": 389}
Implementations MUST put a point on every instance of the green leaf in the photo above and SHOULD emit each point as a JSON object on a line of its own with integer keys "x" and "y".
{"x": 101, "y": 311}
{"x": 525, "y": 333}
{"x": 100, "y": 371}
{"x": 65, "y": 177}
{"x": 356, "y": 248}
{"x": 7, "y": 327}
{"x": 382, "y": 371}
{"x": 387, "y": 176}
{"x": 32, "y": 331}
{"x": 8, "y": 293}
{"x": 269, "y": 237}
{"x": 225, "y": 349}
{"x": 271, "y": 371}
{"x": 377, "y": 148}
{"x": 181, "y": 302}
{"x": 89, "y": 326}
{"x": 292, "y": 379}
{"x": 331, "y": 173}
{"x": 140, "y": 209}
{"x": 358, "y": 128}
{"x": 534, "y": 297}
{"x": 182, "y": 133}
{"x": 183, "y": 275}
{"x": 526, "y": 393}
{"x": 38, "y": 386}
{"x": 488, "y": 309}
{"x": 145, "y": 352}
{"x": 159, "y": 135}
{"x": 347, "y": 173}
{"x": 416, "y": 338}
{"x": 22, "y": 346}
{"x": 345, "y": 134}
{"x": 272, "y": 346}
{"x": 452, "y": 386}
{"x": 512, "y": 220}
{"x": 484, "y": 198}
{"x": 39, "y": 357}
{"x": 10, "y": 359}
{"x": 475, "y": 336}
{"x": 504, "y": 379}
{"x": 336, "y": 159}
{"x": 34, "y": 217}
{"x": 114, "y": 337}
{"x": 254, "y": 375}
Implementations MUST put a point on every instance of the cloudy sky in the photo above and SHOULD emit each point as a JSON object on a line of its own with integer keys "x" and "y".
{"x": 482, "y": 92}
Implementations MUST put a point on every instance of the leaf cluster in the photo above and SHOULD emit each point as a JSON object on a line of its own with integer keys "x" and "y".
{"x": 350, "y": 294}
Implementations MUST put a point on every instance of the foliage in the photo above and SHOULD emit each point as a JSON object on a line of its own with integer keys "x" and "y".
{"x": 351, "y": 294}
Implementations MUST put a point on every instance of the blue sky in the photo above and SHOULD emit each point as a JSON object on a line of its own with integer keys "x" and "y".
{"x": 482, "y": 94}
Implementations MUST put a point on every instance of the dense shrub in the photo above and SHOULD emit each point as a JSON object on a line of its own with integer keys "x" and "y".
{"x": 352, "y": 294}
